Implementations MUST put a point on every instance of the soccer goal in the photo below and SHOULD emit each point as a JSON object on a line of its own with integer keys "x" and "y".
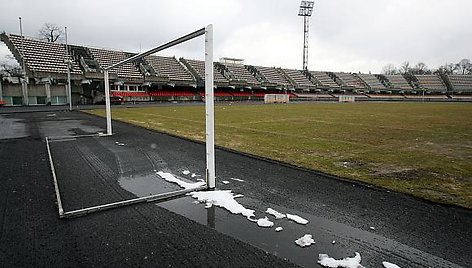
{"x": 209, "y": 93}
{"x": 346, "y": 98}
{"x": 209, "y": 132}
{"x": 276, "y": 98}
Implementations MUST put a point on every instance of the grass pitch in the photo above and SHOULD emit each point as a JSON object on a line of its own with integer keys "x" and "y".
{"x": 423, "y": 149}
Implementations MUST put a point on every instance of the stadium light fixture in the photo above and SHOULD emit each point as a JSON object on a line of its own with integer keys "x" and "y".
{"x": 305, "y": 11}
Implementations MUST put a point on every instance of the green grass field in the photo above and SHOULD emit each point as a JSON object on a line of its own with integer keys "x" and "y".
{"x": 423, "y": 149}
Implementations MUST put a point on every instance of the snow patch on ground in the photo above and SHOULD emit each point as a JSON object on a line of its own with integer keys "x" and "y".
{"x": 225, "y": 182}
{"x": 185, "y": 172}
{"x": 387, "y": 264}
{"x": 275, "y": 213}
{"x": 278, "y": 229}
{"x": 223, "y": 199}
{"x": 186, "y": 185}
{"x": 264, "y": 222}
{"x": 297, "y": 219}
{"x": 327, "y": 261}
{"x": 234, "y": 179}
{"x": 305, "y": 240}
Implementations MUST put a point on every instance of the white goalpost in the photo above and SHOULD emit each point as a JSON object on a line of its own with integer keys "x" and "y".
{"x": 209, "y": 99}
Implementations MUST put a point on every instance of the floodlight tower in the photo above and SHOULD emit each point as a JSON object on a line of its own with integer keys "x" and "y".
{"x": 306, "y": 9}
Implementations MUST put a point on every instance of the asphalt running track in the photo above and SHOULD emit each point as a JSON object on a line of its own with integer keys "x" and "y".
{"x": 381, "y": 225}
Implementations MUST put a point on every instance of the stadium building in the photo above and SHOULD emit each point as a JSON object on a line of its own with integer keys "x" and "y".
{"x": 45, "y": 68}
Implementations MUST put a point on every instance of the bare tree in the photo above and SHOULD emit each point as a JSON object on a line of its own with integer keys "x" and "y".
{"x": 51, "y": 32}
{"x": 389, "y": 69}
{"x": 405, "y": 67}
{"x": 420, "y": 68}
{"x": 464, "y": 66}
{"x": 449, "y": 68}
{"x": 9, "y": 66}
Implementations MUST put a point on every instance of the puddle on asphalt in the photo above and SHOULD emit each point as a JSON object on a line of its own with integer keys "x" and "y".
{"x": 237, "y": 226}
{"x": 11, "y": 128}
{"x": 146, "y": 184}
{"x": 280, "y": 244}
{"x": 65, "y": 128}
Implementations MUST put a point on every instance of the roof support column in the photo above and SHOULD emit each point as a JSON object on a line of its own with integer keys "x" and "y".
{"x": 24, "y": 90}
{"x": 47, "y": 87}
{"x": 1, "y": 89}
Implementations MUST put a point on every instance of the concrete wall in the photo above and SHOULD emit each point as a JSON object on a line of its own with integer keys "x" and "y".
{"x": 36, "y": 90}
{"x": 12, "y": 90}
{"x": 58, "y": 90}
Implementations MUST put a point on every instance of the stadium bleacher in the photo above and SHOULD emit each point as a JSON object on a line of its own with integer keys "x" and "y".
{"x": 399, "y": 83}
{"x": 106, "y": 58}
{"x": 372, "y": 82}
{"x": 241, "y": 73}
{"x": 198, "y": 68}
{"x": 272, "y": 76}
{"x": 158, "y": 78}
{"x": 299, "y": 80}
{"x": 324, "y": 80}
{"x": 43, "y": 56}
{"x": 351, "y": 81}
{"x": 431, "y": 83}
{"x": 460, "y": 83}
{"x": 169, "y": 67}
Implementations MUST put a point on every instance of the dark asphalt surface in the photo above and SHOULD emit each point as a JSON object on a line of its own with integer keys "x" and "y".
{"x": 380, "y": 225}
{"x": 32, "y": 235}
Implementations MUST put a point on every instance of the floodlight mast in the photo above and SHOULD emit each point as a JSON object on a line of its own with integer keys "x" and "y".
{"x": 306, "y": 10}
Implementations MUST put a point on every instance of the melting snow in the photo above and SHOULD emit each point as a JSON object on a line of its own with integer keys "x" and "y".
{"x": 305, "y": 240}
{"x": 225, "y": 182}
{"x": 234, "y": 179}
{"x": 278, "y": 229}
{"x": 297, "y": 219}
{"x": 327, "y": 261}
{"x": 185, "y": 172}
{"x": 224, "y": 199}
{"x": 264, "y": 222}
{"x": 186, "y": 185}
{"x": 275, "y": 213}
{"x": 389, "y": 265}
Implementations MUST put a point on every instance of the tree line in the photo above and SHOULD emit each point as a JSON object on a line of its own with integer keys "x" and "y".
{"x": 462, "y": 67}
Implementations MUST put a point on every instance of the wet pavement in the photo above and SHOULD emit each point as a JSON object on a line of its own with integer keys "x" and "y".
{"x": 380, "y": 225}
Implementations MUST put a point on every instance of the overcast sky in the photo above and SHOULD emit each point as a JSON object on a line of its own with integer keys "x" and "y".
{"x": 345, "y": 35}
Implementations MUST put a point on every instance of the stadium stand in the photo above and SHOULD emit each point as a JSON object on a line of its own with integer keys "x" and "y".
{"x": 158, "y": 78}
{"x": 324, "y": 80}
{"x": 170, "y": 67}
{"x": 241, "y": 73}
{"x": 197, "y": 68}
{"x": 460, "y": 83}
{"x": 431, "y": 83}
{"x": 171, "y": 93}
{"x": 273, "y": 77}
{"x": 40, "y": 56}
{"x": 83, "y": 56}
{"x": 107, "y": 58}
{"x": 349, "y": 80}
{"x": 298, "y": 79}
{"x": 373, "y": 82}
{"x": 398, "y": 83}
